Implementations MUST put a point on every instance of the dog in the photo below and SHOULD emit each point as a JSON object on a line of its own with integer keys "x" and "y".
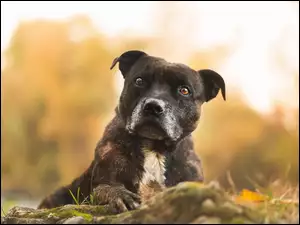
{"x": 148, "y": 142}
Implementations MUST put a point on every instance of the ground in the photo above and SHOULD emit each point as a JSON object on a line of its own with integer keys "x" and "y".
{"x": 188, "y": 202}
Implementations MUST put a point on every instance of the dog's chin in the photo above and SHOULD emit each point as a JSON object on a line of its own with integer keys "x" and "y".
{"x": 149, "y": 130}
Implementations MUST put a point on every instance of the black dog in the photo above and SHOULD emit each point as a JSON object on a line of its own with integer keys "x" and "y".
{"x": 149, "y": 139}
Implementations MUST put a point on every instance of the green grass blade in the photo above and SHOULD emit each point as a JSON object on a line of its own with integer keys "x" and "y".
{"x": 75, "y": 200}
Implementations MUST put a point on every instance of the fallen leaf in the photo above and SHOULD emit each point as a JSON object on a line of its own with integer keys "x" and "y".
{"x": 250, "y": 196}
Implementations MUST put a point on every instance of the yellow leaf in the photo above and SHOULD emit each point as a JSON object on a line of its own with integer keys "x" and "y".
{"x": 250, "y": 196}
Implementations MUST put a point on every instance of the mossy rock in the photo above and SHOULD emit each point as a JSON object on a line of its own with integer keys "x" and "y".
{"x": 188, "y": 202}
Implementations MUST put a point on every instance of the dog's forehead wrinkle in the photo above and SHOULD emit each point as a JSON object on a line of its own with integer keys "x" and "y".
{"x": 161, "y": 71}
{"x": 181, "y": 74}
{"x": 149, "y": 63}
{"x": 180, "y": 68}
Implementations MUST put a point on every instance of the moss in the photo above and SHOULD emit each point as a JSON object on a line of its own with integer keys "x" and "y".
{"x": 86, "y": 212}
{"x": 68, "y": 214}
{"x": 42, "y": 214}
{"x": 189, "y": 202}
{"x": 56, "y": 215}
{"x": 191, "y": 185}
{"x": 238, "y": 220}
{"x": 100, "y": 210}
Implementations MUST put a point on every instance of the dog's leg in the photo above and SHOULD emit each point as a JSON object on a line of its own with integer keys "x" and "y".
{"x": 62, "y": 195}
{"x": 111, "y": 170}
{"x": 116, "y": 196}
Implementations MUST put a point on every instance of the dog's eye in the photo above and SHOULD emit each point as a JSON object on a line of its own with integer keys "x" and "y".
{"x": 184, "y": 91}
{"x": 139, "y": 82}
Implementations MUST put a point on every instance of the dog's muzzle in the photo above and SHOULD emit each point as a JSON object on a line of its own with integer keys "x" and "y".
{"x": 152, "y": 118}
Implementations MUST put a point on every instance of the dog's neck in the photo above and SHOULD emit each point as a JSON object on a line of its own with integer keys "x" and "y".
{"x": 154, "y": 167}
{"x": 159, "y": 146}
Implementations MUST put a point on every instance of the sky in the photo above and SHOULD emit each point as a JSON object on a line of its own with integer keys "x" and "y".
{"x": 255, "y": 27}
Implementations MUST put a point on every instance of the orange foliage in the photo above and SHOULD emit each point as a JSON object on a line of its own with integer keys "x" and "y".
{"x": 58, "y": 94}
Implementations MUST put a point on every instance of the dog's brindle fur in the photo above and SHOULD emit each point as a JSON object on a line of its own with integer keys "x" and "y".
{"x": 135, "y": 152}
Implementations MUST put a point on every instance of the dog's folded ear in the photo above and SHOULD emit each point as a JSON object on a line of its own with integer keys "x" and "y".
{"x": 213, "y": 82}
{"x": 126, "y": 60}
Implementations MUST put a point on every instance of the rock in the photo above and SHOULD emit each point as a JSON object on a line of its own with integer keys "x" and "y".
{"x": 188, "y": 202}
{"x": 75, "y": 220}
{"x": 206, "y": 220}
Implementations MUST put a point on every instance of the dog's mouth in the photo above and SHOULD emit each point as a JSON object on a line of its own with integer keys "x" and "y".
{"x": 150, "y": 129}
{"x": 154, "y": 125}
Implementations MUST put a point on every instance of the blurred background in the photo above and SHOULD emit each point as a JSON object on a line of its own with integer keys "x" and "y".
{"x": 58, "y": 94}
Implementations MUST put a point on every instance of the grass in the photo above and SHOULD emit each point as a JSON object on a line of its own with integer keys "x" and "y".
{"x": 2, "y": 212}
{"x": 88, "y": 200}
{"x": 279, "y": 201}
{"x": 283, "y": 202}
{"x": 6, "y": 206}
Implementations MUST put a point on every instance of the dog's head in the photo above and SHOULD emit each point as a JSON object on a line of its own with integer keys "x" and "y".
{"x": 162, "y": 100}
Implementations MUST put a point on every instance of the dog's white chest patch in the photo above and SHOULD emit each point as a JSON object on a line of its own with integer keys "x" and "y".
{"x": 154, "y": 168}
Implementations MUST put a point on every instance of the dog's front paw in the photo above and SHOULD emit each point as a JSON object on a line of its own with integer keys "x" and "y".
{"x": 117, "y": 197}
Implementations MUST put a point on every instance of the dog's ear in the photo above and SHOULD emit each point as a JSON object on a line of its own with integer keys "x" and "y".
{"x": 126, "y": 60}
{"x": 213, "y": 82}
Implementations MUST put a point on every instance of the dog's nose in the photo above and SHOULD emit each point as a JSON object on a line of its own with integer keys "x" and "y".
{"x": 154, "y": 107}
